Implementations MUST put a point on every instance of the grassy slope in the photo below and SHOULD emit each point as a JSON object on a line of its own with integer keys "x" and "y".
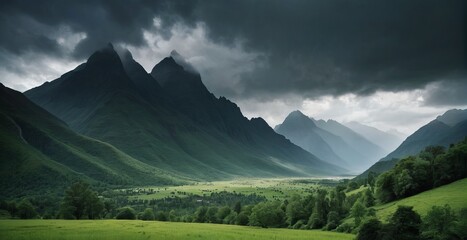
{"x": 121, "y": 229}
{"x": 52, "y": 155}
{"x": 454, "y": 194}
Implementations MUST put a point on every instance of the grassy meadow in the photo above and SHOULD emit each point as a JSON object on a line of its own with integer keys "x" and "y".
{"x": 128, "y": 229}
{"x": 454, "y": 194}
{"x": 275, "y": 188}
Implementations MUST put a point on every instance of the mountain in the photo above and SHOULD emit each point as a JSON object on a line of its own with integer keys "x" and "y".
{"x": 435, "y": 133}
{"x": 302, "y": 131}
{"x": 385, "y": 140}
{"x": 169, "y": 120}
{"x": 39, "y": 151}
{"x": 369, "y": 151}
{"x": 453, "y": 117}
{"x": 330, "y": 141}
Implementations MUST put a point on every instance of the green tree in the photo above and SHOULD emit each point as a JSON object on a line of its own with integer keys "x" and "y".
{"x": 358, "y": 212}
{"x": 333, "y": 220}
{"x": 337, "y": 200}
{"x": 211, "y": 215}
{"x": 222, "y": 213}
{"x": 405, "y": 223}
{"x": 80, "y": 201}
{"x": 371, "y": 179}
{"x": 368, "y": 198}
{"x": 460, "y": 227}
{"x": 200, "y": 214}
{"x": 267, "y": 214}
{"x": 126, "y": 213}
{"x": 352, "y": 186}
{"x": 237, "y": 207}
{"x": 295, "y": 210}
{"x": 384, "y": 187}
{"x": 438, "y": 223}
{"x": 26, "y": 210}
{"x": 161, "y": 216}
{"x": 370, "y": 230}
{"x": 148, "y": 215}
{"x": 320, "y": 211}
{"x": 242, "y": 219}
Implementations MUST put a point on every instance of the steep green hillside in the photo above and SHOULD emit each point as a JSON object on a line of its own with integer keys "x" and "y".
{"x": 39, "y": 151}
{"x": 454, "y": 194}
{"x": 447, "y": 129}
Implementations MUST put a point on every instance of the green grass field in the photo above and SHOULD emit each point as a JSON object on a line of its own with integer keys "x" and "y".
{"x": 127, "y": 229}
{"x": 275, "y": 188}
{"x": 454, "y": 194}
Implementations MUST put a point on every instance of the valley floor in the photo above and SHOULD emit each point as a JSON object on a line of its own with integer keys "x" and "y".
{"x": 271, "y": 188}
{"x": 135, "y": 229}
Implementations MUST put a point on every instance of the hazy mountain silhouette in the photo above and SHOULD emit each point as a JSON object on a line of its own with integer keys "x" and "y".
{"x": 385, "y": 140}
{"x": 330, "y": 141}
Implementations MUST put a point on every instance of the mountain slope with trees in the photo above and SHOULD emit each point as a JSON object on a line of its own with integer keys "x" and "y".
{"x": 445, "y": 130}
{"x": 170, "y": 120}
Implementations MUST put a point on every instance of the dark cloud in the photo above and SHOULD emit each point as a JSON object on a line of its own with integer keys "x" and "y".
{"x": 447, "y": 93}
{"x": 313, "y": 48}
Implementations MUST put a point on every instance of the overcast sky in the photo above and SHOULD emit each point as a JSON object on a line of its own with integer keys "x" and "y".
{"x": 389, "y": 64}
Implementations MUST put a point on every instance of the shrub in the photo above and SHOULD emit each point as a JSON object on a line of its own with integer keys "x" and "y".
{"x": 126, "y": 213}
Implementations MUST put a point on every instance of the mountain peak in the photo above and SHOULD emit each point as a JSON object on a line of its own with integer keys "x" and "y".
{"x": 297, "y": 114}
{"x": 299, "y": 119}
{"x": 104, "y": 58}
{"x": 453, "y": 116}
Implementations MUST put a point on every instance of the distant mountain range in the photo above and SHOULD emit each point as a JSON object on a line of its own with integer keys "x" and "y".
{"x": 447, "y": 129}
{"x": 111, "y": 119}
{"x": 386, "y": 140}
{"x": 332, "y": 141}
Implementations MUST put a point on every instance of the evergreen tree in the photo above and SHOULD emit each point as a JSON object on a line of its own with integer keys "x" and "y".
{"x": 358, "y": 212}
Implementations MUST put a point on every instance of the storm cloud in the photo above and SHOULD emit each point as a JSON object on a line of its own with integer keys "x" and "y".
{"x": 261, "y": 50}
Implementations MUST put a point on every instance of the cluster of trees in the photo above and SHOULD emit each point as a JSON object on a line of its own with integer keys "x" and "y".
{"x": 432, "y": 168}
{"x": 440, "y": 223}
{"x": 24, "y": 209}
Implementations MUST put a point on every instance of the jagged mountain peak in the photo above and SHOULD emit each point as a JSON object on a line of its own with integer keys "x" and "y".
{"x": 104, "y": 58}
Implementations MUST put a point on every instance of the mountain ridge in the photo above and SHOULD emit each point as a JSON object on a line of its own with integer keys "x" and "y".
{"x": 180, "y": 127}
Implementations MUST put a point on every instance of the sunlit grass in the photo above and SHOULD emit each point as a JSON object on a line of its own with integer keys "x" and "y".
{"x": 454, "y": 194}
{"x": 279, "y": 188}
{"x": 128, "y": 229}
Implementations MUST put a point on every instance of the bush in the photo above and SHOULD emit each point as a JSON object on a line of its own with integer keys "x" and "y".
{"x": 345, "y": 228}
{"x": 242, "y": 219}
{"x": 26, "y": 210}
{"x": 438, "y": 223}
{"x": 370, "y": 230}
{"x": 148, "y": 215}
{"x": 161, "y": 216}
{"x": 126, "y": 213}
